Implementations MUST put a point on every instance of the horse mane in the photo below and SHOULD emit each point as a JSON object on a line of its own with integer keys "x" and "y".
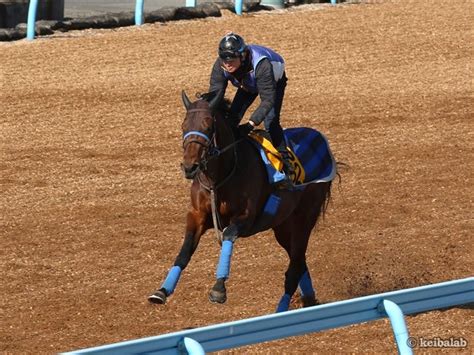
{"x": 223, "y": 108}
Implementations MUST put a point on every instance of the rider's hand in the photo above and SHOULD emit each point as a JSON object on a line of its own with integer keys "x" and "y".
{"x": 246, "y": 128}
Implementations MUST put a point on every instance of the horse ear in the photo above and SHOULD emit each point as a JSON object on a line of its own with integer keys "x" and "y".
{"x": 186, "y": 100}
{"x": 216, "y": 100}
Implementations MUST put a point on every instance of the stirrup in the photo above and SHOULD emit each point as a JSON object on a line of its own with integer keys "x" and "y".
{"x": 285, "y": 184}
{"x": 289, "y": 171}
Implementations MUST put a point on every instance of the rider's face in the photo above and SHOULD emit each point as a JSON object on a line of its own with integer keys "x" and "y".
{"x": 232, "y": 65}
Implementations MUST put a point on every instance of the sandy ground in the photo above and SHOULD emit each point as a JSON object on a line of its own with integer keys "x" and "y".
{"x": 93, "y": 202}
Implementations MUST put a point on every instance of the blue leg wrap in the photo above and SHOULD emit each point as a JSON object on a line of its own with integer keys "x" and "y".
{"x": 171, "y": 280}
{"x": 306, "y": 285}
{"x": 223, "y": 268}
{"x": 284, "y": 303}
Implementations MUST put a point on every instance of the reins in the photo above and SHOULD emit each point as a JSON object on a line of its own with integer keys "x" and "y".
{"x": 232, "y": 172}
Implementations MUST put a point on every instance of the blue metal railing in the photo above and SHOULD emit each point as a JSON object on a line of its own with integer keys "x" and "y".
{"x": 30, "y": 28}
{"x": 139, "y": 18}
{"x": 302, "y": 321}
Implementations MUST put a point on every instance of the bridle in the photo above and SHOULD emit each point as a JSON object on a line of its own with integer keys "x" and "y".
{"x": 196, "y": 133}
{"x": 208, "y": 145}
{"x": 210, "y": 151}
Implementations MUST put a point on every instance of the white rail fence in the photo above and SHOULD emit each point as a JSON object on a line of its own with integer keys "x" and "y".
{"x": 394, "y": 305}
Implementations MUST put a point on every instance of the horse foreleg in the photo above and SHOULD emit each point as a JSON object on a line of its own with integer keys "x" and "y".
{"x": 191, "y": 240}
{"x": 169, "y": 285}
{"x": 218, "y": 292}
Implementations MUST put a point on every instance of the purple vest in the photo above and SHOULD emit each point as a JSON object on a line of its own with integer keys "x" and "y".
{"x": 258, "y": 53}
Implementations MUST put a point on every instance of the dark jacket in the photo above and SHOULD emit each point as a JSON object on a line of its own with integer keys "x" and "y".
{"x": 264, "y": 81}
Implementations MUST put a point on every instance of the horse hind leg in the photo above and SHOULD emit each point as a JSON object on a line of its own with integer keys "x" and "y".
{"x": 293, "y": 235}
{"x": 320, "y": 194}
{"x": 296, "y": 268}
{"x": 292, "y": 275}
{"x": 308, "y": 295}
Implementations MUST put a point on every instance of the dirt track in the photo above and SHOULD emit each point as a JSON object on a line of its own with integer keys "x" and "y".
{"x": 93, "y": 201}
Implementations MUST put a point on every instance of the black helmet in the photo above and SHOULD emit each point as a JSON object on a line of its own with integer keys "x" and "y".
{"x": 231, "y": 46}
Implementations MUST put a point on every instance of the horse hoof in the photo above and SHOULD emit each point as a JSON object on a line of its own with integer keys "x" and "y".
{"x": 217, "y": 296}
{"x": 309, "y": 301}
{"x": 159, "y": 297}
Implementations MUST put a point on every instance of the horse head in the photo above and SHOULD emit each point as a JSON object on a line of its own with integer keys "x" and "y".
{"x": 198, "y": 132}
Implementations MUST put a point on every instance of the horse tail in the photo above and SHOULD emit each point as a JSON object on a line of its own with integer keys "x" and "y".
{"x": 327, "y": 198}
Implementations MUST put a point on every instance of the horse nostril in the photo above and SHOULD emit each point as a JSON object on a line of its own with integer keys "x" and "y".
{"x": 189, "y": 171}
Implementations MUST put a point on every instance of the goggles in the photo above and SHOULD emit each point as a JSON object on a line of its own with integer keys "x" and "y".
{"x": 229, "y": 56}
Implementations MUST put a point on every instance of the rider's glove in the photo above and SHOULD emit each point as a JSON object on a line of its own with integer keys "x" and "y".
{"x": 246, "y": 128}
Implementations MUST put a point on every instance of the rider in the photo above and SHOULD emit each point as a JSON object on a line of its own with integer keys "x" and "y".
{"x": 255, "y": 71}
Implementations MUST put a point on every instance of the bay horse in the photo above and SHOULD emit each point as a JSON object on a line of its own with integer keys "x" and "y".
{"x": 230, "y": 191}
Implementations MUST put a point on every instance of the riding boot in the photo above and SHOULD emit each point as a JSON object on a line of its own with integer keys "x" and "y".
{"x": 287, "y": 165}
{"x": 288, "y": 168}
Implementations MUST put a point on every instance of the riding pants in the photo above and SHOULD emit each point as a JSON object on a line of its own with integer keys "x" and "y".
{"x": 242, "y": 101}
